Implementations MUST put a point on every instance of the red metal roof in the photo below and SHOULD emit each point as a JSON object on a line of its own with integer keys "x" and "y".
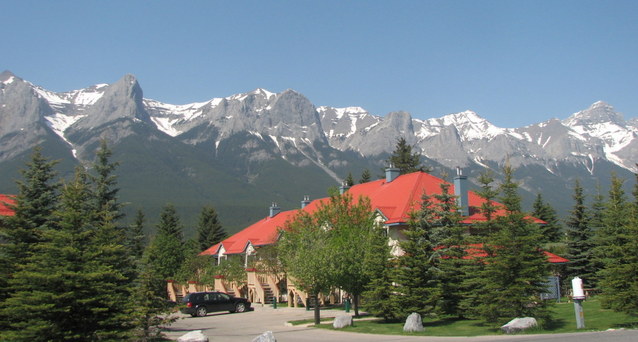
{"x": 5, "y": 201}
{"x": 395, "y": 200}
{"x": 263, "y": 232}
{"x": 476, "y": 251}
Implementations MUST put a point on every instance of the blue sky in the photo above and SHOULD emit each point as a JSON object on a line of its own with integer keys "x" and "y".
{"x": 513, "y": 62}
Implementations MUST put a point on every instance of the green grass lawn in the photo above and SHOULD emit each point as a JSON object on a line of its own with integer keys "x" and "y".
{"x": 596, "y": 318}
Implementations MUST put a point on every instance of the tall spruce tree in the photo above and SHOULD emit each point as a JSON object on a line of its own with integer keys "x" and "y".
{"x": 71, "y": 287}
{"x": 405, "y": 160}
{"x": 449, "y": 239}
{"x": 612, "y": 238}
{"x": 380, "y": 269}
{"x": 365, "y": 176}
{"x": 552, "y": 230}
{"x": 349, "y": 181}
{"x": 417, "y": 276}
{"x": 209, "y": 229}
{"x": 579, "y": 240}
{"x": 37, "y": 198}
{"x": 515, "y": 270}
{"x": 619, "y": 277}
{"x": 136, "y": 236}
{"x": 165, "y": 254}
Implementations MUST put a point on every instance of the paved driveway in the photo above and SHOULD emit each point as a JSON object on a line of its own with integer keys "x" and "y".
{"x": 244, "y": 327}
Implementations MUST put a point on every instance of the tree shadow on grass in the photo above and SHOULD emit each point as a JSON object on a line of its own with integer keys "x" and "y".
{"x": 627, "y": 325}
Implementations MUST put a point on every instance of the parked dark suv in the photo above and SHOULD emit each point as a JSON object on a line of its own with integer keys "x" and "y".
{"x": 201, "y": 303}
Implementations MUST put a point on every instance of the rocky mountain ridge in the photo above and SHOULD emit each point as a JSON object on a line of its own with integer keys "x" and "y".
{"x": 254, "y": 136}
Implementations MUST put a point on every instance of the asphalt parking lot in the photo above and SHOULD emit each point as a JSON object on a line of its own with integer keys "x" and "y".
{"x": 244, "y": 327}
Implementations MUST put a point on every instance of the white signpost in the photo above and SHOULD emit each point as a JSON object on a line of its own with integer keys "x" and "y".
{"x": 578, "y": 296}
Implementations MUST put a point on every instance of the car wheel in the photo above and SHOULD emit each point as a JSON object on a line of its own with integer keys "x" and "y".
{"x": 201, "y": 311}
{"x": 240, "y": 307}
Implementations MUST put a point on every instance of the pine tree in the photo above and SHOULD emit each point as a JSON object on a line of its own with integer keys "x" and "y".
{"x": 349, "y": 181}
{"x": 105, "y": 182}
{"x": 36, "y": 200}
{"x": 612, "y": 238}
{"x": 165, "y": 254}
{"x": 417, "y": 273}
{"x": 151, "y": 311}
{"x": 405, "y": 160}
{"x": 551, "y": 231}
{"x": 619, "y": 278}
{"x": 449, "y": 238}
{"x": 380, "y": 269}
{"x": 579, "y": 240}
{"x": 136, "y": 236}
{"x": 209, "y": 229}
{"x": 365, "y": 176}
{"x": 515, "y": 268}
{"x": 70, "y": 288}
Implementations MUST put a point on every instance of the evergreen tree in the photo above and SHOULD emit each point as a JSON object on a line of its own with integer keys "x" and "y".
{"x": 515, "y": 268}
{"x": 449, "y": 238}
{"x": 105, "y": 182}
{"x": 405, "y": 160}
{"x": 19, "y": 234}
{"x": 349, "y": 181}
{"x": 551, "y": 231}
{"x": 365, "y": 176}
{"x": 380, "y": 269}
{"x": 612, "y": 237}
{"x": 579, "y": 240}
{"x": 209, "y": 229}
{"x": 488, "y": 194}
{"x": 417, "y": 273}
{"x": 151, "y": 309}
{"x": 36, "y": 199}
{"x": 165, "y": 253}
{"x": 69, "y": 289}
{"x": 619, "y": 278}
{"x": 136, "y": 235}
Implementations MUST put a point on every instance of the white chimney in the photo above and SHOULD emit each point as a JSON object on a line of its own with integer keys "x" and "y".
{"x": 274, "y": 209}
{"x": 391, "y": 173}
{"x": 460, "y": 190}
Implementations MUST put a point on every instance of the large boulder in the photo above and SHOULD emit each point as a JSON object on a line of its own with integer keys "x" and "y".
{"x": 519, "y": 324}
{"x": 193, "y": 336}
{"x": 342, "y": 321}
{"x": 265, "y": 337}
{"x": 413, "y": 323}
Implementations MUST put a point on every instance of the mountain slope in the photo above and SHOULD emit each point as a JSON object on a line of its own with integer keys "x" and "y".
{"x": 242, "y": 152}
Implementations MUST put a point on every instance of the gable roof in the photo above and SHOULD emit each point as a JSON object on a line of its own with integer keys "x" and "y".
{"x": 5, "y": 202}
{"x": 262, "y": 232}
{"x": 395, "y": 200}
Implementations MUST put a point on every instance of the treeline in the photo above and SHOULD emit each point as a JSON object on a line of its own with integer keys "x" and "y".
{"x": 494, "y": 270}
{"x": 72, "y": 272}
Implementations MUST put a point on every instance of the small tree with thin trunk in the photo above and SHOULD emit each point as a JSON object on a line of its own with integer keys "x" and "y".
{"x": 304, "y": 249}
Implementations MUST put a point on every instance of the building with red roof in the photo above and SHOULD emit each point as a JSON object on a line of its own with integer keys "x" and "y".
{"x": 6, "y": 201}
{"x": 393, "y": 198}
